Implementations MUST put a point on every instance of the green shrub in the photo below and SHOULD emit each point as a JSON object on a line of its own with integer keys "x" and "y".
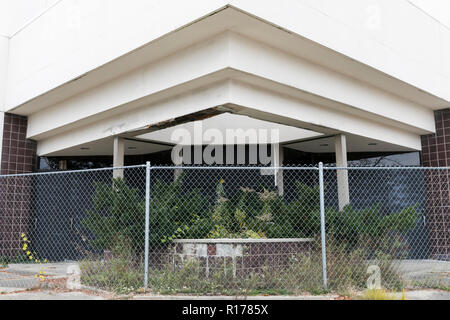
{"x": 118, "y": 211}
{"x": 351, "y": 226}
{"x": 4, "y": 262}
{"x": 172, "y": 211}
{"x": 298, "y": 217}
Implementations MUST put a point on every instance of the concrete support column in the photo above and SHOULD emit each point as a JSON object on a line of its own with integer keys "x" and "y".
{"x": 278, "y": 158}
{"x": 340, "y": 145}
{"x": 118, "y": 156}
{"x": 178, "y": 161}
{"x": 62, "y": 165}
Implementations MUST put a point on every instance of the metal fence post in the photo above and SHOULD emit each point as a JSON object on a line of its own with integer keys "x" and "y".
{"x": 147, "y": 221}
{"x": 322, "y": 226}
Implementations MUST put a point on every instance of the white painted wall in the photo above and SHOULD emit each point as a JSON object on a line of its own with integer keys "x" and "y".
{"x": 73, "y": 37}
{"x": 4, "y": 52}
{"x": 17, "y": 14}
{"x": 391, "y": 35}
{"x": 54, "y": 42}
{"x": 437, "y": 9}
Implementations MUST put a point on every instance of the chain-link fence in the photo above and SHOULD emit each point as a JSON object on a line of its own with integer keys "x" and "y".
{"x": 227, "y": 230}
{"x": 54, "y": 224}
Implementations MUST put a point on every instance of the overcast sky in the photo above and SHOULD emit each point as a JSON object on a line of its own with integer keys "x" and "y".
{"x": 439, "y": 9}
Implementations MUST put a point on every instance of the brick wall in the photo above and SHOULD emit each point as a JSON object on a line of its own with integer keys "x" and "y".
{"x": 241, "y": 255}
{"x": 436, "y": 153}
{"x": 18, "y": 156}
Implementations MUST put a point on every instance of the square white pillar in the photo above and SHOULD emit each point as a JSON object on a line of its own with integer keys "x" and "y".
{"x": 62, "y": 164}
{"x": 177, "y": 158}
{"x": 340, "y": 145}
{"x": 118, "y": 156}
{"x": 277, "y": 159}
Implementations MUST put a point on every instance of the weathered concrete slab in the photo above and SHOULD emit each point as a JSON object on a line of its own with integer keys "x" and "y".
{"x": 23, "y": 276}
{"x": 238, "y": 298}
{"x": 431, "y": 272}
{"x": 49, "y": 295}
{"x": 428, "y": 295}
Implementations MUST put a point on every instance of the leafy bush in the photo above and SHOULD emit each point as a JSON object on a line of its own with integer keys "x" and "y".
{"x": 351, "y": 226}
{"x": 175, "y": 214}
{"x": 173, "y": 211}
{"x": 265, "y": 214}
{"x": 237, "y": 220}
{"x": 4, "y": 262}
{"x": 118, "y": 211}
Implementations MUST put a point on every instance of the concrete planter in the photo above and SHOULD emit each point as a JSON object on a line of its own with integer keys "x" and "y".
{"x": 241, "y": 255}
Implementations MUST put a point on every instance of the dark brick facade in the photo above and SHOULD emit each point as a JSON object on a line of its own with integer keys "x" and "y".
{"x": 436, "y": 153}
{"x": 18, "y": 156}
{"x": 18, "y": 152}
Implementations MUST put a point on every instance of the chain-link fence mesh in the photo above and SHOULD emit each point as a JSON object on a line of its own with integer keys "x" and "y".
{"x": 227, "y": 230}
{"x": 233, "y": 231}
{"x": 54, "y": 225}
{"x": 395, "y": 220}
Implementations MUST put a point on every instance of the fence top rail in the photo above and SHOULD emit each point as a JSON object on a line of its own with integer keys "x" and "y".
{"x": 232, "y": 168}
{"x": 287, "y": 168}
{"x": 386, "y": 168}
{"x": 69, "y": 171}
{"x": 293, "y": 168}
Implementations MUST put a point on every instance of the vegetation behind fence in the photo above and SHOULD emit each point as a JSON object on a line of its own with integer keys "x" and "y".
{"x": 231, "y": 230}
